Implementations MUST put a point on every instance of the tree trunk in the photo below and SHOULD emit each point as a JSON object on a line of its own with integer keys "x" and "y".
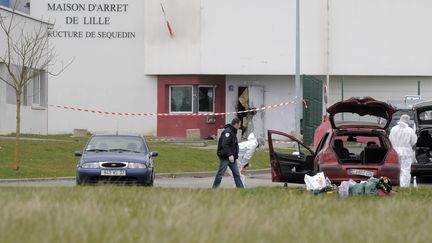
{"x": 17, "y": 133}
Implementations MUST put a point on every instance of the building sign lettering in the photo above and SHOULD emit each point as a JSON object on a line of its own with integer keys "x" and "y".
{"x": 95, "y": 15}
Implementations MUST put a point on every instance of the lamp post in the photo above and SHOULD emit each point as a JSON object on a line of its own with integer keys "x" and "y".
{"x": 298, "y": 104}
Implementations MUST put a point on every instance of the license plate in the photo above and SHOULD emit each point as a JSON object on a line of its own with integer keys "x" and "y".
{"x": 360, "y": 172}
{"x": 113, "y": 172}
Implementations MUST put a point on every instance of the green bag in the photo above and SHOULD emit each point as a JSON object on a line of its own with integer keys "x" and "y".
{"x": 357, "y": 189}
{"x": 371, "y": 187}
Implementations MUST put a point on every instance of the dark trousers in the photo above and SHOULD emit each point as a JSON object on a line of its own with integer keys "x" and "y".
{"x": 224, "y": 163}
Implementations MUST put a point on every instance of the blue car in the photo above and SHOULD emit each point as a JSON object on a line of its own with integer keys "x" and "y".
{"x": 122, "y": 159}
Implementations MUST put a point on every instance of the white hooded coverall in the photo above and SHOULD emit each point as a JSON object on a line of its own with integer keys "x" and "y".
{"x": 246, "y": 151}
{"x": 403, "y": 139}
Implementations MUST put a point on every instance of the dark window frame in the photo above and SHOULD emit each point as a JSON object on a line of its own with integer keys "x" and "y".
{"x": 195, "y": 99}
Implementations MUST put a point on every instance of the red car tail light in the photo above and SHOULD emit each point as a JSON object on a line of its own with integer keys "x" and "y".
{"x": 392, "y": 157}
{"x": 329, "y": 156}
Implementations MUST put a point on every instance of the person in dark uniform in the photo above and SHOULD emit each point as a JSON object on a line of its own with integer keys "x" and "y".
{"x": 227, "y": 152}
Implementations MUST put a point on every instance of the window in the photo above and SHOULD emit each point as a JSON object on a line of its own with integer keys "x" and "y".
{"x": 206, "y": 99}
{"x": 425, "y": 115}
{"x": 181, "y": 99}
{"x": 36, "y": 90}
{"x": 34, "y": 93}
{"x": 322, "y": 143}
{"x": 117, "y": 142}
{"x": 10, "y": 95}
{"x": 192, "y": 98}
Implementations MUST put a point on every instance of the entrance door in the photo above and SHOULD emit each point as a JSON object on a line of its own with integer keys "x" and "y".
{"x": 312, "y": 115}
{"x": 256, "y": 100}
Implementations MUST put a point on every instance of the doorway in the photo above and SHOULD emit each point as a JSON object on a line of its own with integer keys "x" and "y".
{"x": 250, "y": 97}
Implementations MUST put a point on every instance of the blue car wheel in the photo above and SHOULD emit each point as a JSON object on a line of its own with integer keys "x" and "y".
{"x": 79, "y": 182}
{"x": 150, "y": 184}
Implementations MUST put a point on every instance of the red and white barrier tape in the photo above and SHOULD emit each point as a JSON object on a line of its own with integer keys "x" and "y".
{"x": 173, "y": 114}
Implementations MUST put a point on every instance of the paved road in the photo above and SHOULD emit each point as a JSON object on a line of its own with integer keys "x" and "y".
{"x": 261, "y": 180}
{"x": 204, "y": 180}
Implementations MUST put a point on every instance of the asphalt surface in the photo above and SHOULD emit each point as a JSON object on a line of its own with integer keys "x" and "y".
{"x": 258, "y": 178}
{"x": 179, "y": 180}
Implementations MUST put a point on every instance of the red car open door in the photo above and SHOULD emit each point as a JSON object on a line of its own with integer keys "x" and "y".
{"x": 290, "y": 159}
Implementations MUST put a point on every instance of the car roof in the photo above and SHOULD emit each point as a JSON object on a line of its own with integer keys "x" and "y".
{"x": 422, "y": 104}
{"x": 116, "y": 135}
{"x": 404, "y": 104}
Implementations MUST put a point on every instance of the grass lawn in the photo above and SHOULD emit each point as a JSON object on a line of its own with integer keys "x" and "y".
{"x": 39, "y": 158}
{"x": 56, "y": 159}
{"x": 137, "y": 214}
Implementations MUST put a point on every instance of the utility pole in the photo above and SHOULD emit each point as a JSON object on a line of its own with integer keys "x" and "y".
{"x": 298, "y": 104}
{"x": 327, "y": 85}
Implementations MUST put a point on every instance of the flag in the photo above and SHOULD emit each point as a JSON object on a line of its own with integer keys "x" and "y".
{"x": 170, "y": 30}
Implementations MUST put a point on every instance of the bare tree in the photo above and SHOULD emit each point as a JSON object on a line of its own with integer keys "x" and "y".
{"x": 27, "y": 53}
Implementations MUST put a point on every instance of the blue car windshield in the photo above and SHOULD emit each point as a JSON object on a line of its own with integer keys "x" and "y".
{"x": 116, "y": 144}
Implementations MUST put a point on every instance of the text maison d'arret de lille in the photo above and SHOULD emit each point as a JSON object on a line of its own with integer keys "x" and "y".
{"x": 90, "y": 20}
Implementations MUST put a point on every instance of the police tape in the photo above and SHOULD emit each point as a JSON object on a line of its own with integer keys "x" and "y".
{"x": 174, "y": 114}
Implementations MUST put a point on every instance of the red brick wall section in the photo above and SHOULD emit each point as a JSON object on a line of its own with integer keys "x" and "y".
{"x": 175, "y": 126}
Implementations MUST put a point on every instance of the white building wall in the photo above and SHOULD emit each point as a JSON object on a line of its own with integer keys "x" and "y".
{"x": 384, "y": 37}
{"x": 380, "y": 37}
{"x": 258, "y": 37}
{"x": 177, "y": 54}
{"x": 3, "y": 119}
{"x": 106, "y": 74}
{"x": 367, "y": 39}
{"x": 20, "y": 5}
{"x": 379, "y": 87}
{"x": 33, "y": 119}
{"x": 233, "y": 37}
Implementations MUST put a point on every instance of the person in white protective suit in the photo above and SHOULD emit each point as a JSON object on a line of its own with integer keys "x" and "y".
{"x": 403, "y": 139}
{"x": 246, "y": 151}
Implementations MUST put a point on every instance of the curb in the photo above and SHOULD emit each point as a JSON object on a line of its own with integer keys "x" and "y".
{"x": 158, "y": 175}
{"x": 35, "y": 139}
{"x": 206, "y": 173}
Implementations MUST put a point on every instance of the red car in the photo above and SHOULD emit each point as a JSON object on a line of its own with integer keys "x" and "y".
{"x": 353, "y": 144}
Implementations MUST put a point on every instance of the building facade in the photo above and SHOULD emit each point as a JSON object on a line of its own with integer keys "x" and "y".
{"x": 34, "y": 100}
{"x": 199, "y": 56}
